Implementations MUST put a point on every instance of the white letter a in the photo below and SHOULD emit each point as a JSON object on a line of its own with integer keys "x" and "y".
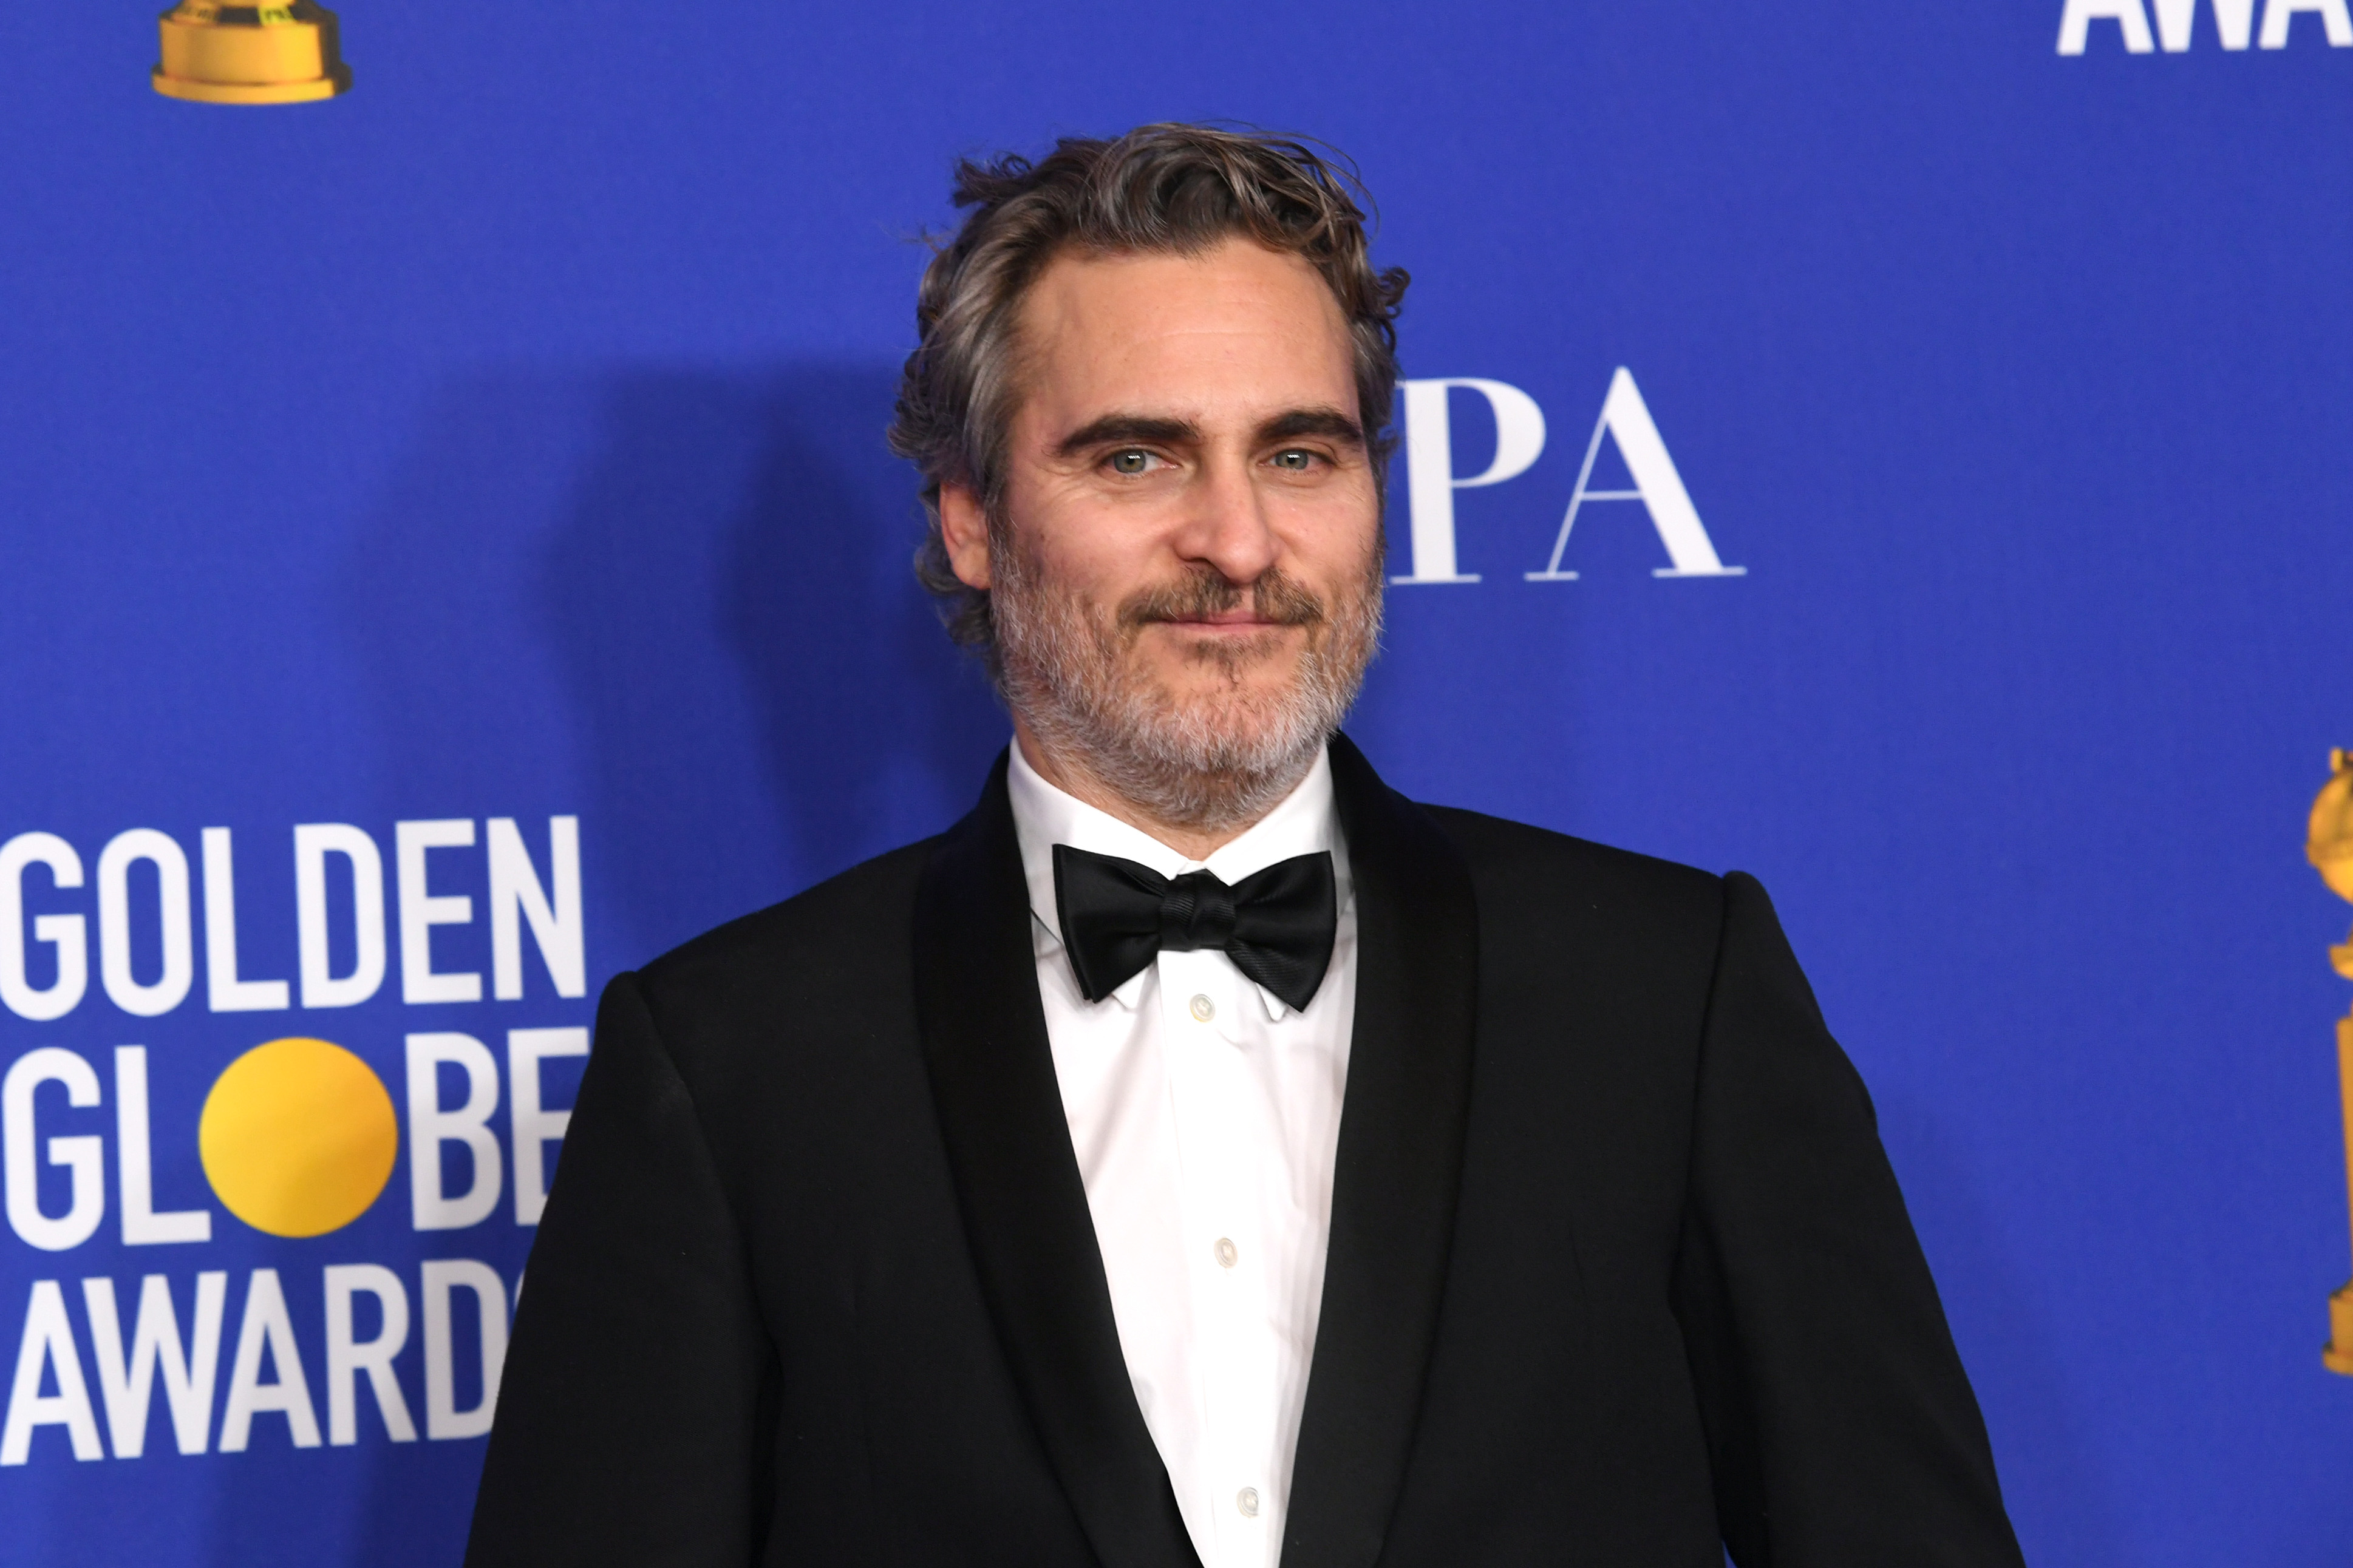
{"x": 1657, "y": 486}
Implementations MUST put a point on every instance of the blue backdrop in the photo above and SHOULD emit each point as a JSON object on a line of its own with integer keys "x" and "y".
{"x": 504, "y": 441}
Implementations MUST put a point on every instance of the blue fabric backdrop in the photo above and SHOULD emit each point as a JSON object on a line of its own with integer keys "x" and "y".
{"x": 504, "y": 441}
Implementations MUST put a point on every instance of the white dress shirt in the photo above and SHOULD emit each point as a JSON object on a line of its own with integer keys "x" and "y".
{"x": 1205, "y": 1115}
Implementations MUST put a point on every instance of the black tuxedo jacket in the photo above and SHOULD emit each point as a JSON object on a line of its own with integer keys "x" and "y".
{"x": 1617, "y": 1269}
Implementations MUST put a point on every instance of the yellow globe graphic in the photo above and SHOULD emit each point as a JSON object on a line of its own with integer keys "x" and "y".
{"x": 298, "y": 1137}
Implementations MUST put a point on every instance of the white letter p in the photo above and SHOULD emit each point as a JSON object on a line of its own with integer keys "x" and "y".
{"x": 1429, "y": 464}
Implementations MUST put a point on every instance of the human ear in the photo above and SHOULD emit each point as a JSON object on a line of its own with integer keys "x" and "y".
{"x": 964, "y": 529}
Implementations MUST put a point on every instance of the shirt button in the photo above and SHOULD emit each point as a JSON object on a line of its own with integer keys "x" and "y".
{"x": 1203, "y": 1009}
{"x": 1246, "y": 1499}
{"x": 1226, "y": 1256}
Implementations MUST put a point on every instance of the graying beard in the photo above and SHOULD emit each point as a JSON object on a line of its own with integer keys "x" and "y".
{"x": 1196, "y": 768}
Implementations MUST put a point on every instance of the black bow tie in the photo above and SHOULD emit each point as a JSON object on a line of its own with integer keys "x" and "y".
{"x": 1276, "y": 925}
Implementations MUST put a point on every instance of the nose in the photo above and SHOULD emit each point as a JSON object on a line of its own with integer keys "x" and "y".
{"x": 1227, "y": 527}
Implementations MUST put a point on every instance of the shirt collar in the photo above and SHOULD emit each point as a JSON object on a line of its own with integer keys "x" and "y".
{"x": 1301, "y": 823}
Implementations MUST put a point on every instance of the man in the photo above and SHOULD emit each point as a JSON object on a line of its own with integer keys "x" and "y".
{"x": 1200, "y": 1153}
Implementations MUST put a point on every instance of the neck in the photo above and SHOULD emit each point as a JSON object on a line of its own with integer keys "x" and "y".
{"x": 1069, "y": 772}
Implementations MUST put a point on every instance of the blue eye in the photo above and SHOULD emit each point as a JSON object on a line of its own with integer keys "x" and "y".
{"x": 1296, "y": 460}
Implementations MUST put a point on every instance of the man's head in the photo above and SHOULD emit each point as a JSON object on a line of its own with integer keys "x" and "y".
{"x": 1150, "y": 405}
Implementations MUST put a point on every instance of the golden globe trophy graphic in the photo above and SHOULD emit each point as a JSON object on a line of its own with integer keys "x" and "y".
{"x": 2330, "y": 849}
{"x": 251, "y": 54}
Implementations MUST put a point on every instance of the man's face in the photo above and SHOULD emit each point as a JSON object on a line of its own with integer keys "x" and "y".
{"x": 1189, "y": 549}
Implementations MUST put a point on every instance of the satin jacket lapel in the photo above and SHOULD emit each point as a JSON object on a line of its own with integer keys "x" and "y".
{"x": 1400, "y": 1163}
{"x": 1025, "y": 1207}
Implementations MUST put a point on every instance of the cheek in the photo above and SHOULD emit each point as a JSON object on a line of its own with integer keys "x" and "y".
{"x": 1095, "y": 552}
{"x": 1338, "y": 538}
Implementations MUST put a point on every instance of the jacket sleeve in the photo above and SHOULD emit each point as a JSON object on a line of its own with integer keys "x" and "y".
{"x": 1842, "y": 1428}
{"x": 630, "y": 1424}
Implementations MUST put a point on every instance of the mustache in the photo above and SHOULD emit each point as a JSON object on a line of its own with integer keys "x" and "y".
{"x": 1272, "y": 597}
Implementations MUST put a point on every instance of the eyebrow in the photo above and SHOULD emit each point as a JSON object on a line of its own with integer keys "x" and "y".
{"x": 1329, "y": 423}
{"x": 1140, "y": 428}
{"x": 1117, "y": 427}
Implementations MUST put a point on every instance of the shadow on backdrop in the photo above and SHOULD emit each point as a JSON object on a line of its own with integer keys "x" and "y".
{"x": 755, "y": 534}
{"x": 692, "y": 588}
{"x": 2060, "y": 1502}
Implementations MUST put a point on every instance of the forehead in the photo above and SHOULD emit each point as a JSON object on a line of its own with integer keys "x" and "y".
{"x": 1236, "y": 328}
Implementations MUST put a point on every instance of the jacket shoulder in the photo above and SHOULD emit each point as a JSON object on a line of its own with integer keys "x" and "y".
{"x": 1523, "y": 862}
{"x": 847, "y": 932}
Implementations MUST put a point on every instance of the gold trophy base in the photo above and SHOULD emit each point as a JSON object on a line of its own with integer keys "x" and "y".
{"x": 2337, "y": 1354}
{"x": 216, "y": 53}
